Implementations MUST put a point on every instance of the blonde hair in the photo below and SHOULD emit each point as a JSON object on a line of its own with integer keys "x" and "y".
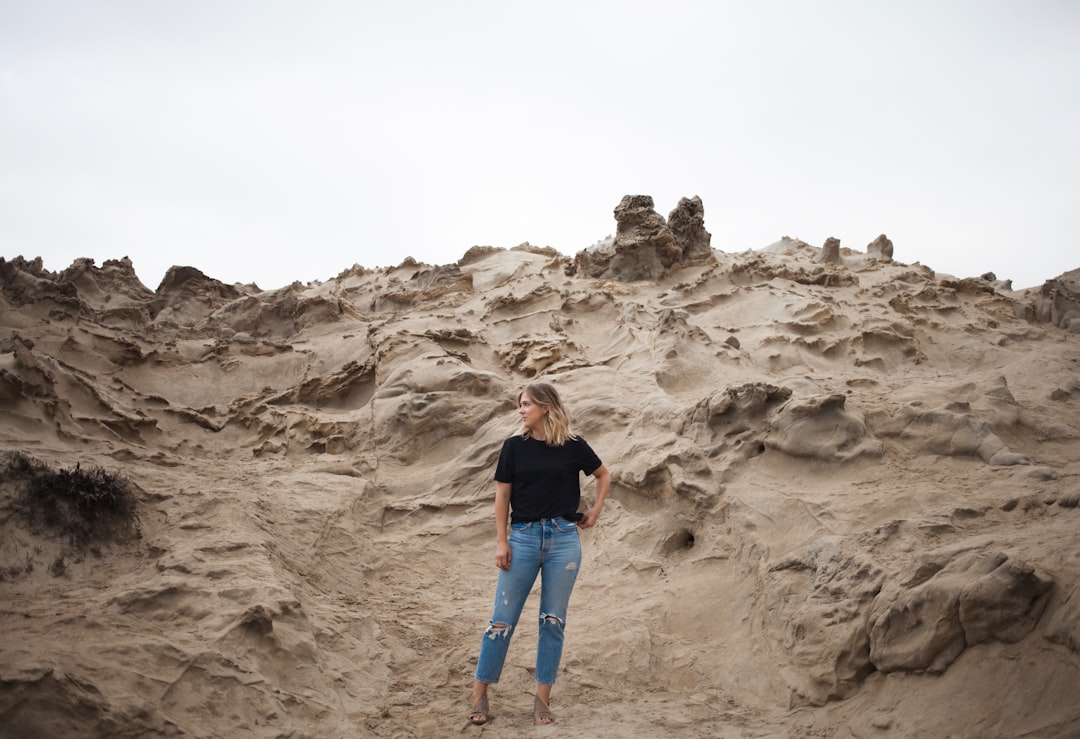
{"x": 556, "y": 422}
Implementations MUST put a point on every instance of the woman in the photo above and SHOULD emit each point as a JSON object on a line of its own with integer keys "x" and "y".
{"x": 538, "y": 490}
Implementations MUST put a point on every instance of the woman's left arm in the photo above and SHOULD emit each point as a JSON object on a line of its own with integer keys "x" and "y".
{"x": 603, "y": 482}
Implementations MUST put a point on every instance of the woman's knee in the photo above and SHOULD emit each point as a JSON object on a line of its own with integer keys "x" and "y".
{"x": 498, "y": 629}
{"x": 550, "y": 619}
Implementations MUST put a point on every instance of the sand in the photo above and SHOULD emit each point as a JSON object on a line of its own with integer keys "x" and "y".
{"x": 844, "y": 499}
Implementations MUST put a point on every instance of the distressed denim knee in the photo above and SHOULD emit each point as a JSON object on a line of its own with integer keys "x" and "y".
{"x": 496, "y": 630}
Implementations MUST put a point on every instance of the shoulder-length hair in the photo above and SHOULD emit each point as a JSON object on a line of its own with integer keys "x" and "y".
{"x": 556, "y": 423}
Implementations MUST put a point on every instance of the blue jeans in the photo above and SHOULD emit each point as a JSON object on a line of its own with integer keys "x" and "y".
{"x": 552, "y": 548}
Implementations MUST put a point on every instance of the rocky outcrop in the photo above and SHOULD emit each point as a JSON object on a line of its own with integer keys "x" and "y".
{"x": 645, "y": 245}
{"x": 880, "y": 248}
{"x": 23, "y": 282}
{"x": 818, "y": 598}
{"x": 1057, "y": 302}
{"x": 954, "y": 430}
{"x": 837, "y": 618}
{"x": 950, "y": 602}
{"x": 187, "y": 296}
{"x": 830, "y": 251}
{"x": 821, "y": 428}
{"x": 114, "y": 286}
{"x": 687, "y": 224}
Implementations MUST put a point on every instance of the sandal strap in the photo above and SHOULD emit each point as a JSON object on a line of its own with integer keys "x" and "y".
{"x": 480, "y": 710}
{"x": 542, "y": 711}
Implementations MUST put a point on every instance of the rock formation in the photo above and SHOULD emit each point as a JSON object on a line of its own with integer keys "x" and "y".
{"x": 880, "y": 248}
{"x": 1058, "y": 302}
{"x": 845, "y": 488}
{"x": 830, "y": 251}
{"x": 687, "y": 224}
{"x": 645, "y": 246}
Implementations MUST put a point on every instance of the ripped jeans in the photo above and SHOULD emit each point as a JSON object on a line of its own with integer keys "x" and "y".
{"x": 552, "y": 548}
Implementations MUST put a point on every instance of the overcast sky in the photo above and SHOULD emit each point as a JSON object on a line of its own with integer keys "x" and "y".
{"x": 269, "y": 142}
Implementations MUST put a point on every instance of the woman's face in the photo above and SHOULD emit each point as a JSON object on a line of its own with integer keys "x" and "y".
{"x": 532, "y": 414}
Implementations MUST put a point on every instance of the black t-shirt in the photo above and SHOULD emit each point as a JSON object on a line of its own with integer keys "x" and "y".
{"x": 544, "y": 479}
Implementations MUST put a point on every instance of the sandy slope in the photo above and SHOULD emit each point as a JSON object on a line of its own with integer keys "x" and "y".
{"x": 845, "y": 500}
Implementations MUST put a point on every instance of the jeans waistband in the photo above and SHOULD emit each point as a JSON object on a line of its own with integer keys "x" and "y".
{"x": 571, "y": 518}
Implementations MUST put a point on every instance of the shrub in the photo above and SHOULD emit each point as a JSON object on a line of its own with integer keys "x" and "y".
{"x": 85, "y": 505}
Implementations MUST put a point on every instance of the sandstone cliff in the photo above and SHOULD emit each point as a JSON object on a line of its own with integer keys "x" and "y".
{"x": 845, "y": 495}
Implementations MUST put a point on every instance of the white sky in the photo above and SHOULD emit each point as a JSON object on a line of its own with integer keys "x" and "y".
{"x": 268, "y": 142}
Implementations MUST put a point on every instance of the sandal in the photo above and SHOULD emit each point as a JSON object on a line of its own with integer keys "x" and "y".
{"x": 479, "y": 715}
{"x": 541, "y": 713}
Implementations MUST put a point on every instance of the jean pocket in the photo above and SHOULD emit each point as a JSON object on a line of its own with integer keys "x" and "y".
{"x": 520, "y": 526}
{"x": 561, "y": 524}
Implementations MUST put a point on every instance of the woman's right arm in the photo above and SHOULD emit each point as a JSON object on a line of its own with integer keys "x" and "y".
{"x": 502, "y": 516}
